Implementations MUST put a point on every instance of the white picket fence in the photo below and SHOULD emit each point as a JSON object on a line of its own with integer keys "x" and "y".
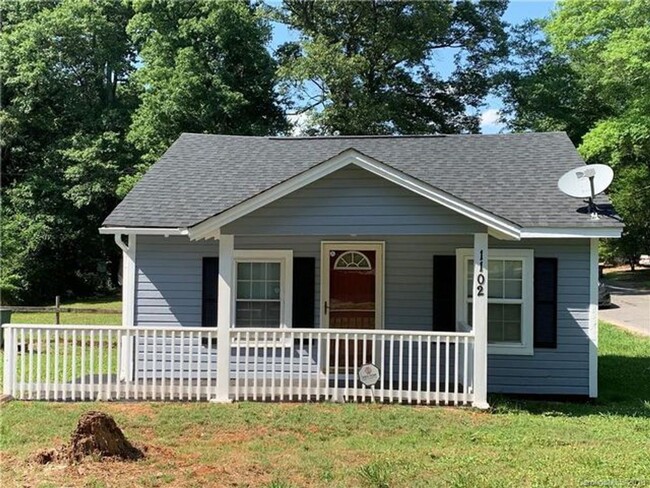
{"x": 79, "y": 362}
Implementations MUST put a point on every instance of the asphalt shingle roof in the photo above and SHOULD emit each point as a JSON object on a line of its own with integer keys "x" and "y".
{"x": 513, "y": 176}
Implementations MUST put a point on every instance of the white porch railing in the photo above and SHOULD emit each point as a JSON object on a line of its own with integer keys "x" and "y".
{"x": 45, "y": 362}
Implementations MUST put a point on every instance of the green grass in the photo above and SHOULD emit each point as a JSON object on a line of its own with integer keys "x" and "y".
{"x": 639, "y": 278}
{"x": 517, "y": 443}
{"x": 108, "y": 303}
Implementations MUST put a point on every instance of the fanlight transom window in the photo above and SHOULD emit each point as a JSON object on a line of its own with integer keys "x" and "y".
{"x": 352, "y": 260}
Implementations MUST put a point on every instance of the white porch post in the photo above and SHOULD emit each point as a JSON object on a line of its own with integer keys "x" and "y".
{"x": 224, "y": 316}
{"x": 479, "y": 319}
{"x": 593, "y": 318}
{"x": 128, "y": 302}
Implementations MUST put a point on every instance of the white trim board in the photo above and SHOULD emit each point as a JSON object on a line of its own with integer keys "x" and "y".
{"x": 569, "y": 232}
{"x": 207, "y": 228}
{"x": 593, "y": 318}
{"x": 145, "y": 231}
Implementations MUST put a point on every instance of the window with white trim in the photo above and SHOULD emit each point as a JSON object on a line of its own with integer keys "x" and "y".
{"x": 263, "y": 288}
{"x": 510, "y": 298}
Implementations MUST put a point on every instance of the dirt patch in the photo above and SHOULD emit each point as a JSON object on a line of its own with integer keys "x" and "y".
{"x": 96, "y": 435}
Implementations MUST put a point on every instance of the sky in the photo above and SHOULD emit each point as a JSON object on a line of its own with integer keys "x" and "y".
{"x": 517, "y": 12}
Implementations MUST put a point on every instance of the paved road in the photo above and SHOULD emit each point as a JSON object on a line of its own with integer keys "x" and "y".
{"x": 631, "y": 310}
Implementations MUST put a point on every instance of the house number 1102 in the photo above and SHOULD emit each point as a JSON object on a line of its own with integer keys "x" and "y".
{"x": 480, "y": 278}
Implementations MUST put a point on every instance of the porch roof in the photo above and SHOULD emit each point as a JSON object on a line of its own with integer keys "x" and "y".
{"x": 511, "y": 176}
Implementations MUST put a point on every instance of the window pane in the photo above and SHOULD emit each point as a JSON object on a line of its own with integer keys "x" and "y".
{"x": 273, "y": 290}
{"x": 243, "y": 289}
{"x": 504, "y": 323}
{"x": 470, "y": 270}
{"x": 258, "y": 270}
{"x": 243, "y": 314}
{"x": 469, "y": 288}
{"x": 512, "y": 289}
{"x": 273, "y": 271}
{"x": 257, "y": 314}
{"x": 244, "y": 271}
{"x": 511, "y": 332}
{"x": 512, "y": 313}
{"x": 495, "y": 312}
{"x": 513, "y": 269}
{"x": 495, "y": 269}
{"x": 258, "y": 290}
{"x": 495, "y": 288}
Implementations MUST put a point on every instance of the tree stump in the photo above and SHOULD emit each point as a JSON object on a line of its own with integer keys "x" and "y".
{"x": 97, "y": 434}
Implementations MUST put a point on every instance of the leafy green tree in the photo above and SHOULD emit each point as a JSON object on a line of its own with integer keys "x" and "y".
{"x": 370, "y": 67}
{"x": 205, "y": 69}
{"x": 66, "y": 105}
{"x": 592, "y": 79}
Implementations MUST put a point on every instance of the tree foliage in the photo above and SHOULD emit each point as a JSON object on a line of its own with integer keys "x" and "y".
{"x": 66, "y": 105}
{"x": 370, "y": 67}
{"x": 205, "y": 68}
{"x": 92, "y": 92}
{"x": 587, "y": 71}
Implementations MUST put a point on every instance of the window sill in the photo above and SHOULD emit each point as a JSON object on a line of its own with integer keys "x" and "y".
{"x": 510, "y": 350}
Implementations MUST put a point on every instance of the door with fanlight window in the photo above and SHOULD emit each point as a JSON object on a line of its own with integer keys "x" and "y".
{"x": 352, "y": 292}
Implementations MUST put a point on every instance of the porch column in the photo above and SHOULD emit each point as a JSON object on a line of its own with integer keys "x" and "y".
{"x": 224, "y": 316}
{"x": 479, "y": 319}
{"x": 128, "y": 303}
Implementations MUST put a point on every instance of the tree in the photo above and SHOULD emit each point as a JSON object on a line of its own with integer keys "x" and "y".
{"x": 600, "y": 53}
{"x": 370, "y": 67}
{"x": 205, "y": 69}
{"x": 66, "y": 104}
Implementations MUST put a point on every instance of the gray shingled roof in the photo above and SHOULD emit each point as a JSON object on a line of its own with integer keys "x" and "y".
{"x": 513, "y": 176}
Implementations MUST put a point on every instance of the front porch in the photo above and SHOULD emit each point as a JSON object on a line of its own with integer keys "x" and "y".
{"x": 72, "y": 363}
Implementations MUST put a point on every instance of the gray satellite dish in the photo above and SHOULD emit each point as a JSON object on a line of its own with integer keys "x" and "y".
{"x": 586, "y": 182}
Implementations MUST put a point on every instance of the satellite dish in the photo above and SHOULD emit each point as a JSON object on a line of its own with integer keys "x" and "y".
{"x": 586, "y": 182}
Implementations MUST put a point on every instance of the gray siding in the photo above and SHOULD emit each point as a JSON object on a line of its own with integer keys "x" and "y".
{"x": 169, "y": 293}
{"x": 168, "y": 280}
{"x": 352, "y": 201}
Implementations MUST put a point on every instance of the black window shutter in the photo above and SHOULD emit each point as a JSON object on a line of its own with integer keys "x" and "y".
{"x": 444, "y": 293}
{"x": 210, "y": 287}
{"x": 545, "y": 303}
{"x": 304, "y": 282}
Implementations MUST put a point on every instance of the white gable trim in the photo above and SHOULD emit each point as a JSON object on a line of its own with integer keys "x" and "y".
{"x": 571, "y": 232}
{"x": 144, "y": 231}
{"x": 209, "y": 227}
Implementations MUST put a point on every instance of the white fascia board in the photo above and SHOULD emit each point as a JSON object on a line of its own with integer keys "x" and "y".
{"x": 350, "y": 156}
{"x": 571, "y": 232}
{"x": 144, "y": 231}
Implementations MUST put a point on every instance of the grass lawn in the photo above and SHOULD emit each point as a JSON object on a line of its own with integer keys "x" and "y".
{"x": 77, "y": 318}
{"x": 517, "y": 443}
{"x": 639, "y": 278}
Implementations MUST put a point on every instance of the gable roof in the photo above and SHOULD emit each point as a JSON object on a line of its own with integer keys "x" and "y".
{"x": 513, "y": 177}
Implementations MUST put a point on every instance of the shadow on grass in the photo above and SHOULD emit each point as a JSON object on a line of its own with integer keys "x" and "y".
{"x": 624, "y": 383}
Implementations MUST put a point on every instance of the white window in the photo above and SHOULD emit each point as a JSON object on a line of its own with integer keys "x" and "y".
{"x": 510, "y": 298}
{"x": 263, "y": 288}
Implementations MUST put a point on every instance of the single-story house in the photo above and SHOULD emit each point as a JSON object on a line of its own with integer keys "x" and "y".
{"x": 450, "y": 266}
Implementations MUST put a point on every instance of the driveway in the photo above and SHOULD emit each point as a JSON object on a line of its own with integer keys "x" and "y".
{"x": 630, "y": 309}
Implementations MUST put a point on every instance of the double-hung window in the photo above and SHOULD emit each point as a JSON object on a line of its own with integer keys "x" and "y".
{"x": 263, "y": 288}
{"x": 510, "y": 298}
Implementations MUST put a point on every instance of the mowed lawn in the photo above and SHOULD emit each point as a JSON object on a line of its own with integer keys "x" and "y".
{"x": 517, "y": 443}
{"x": 70, "y": 318}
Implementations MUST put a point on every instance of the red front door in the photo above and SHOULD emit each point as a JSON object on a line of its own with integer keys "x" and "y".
{"x": 352, "y": 301}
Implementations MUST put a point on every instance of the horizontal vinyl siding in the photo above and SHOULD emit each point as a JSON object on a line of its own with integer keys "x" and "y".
{"x": 169, "y": 293}
{"x": 168, "y": 280}
{"x": 564, "y": 370}
{"x": 352, "y": 201}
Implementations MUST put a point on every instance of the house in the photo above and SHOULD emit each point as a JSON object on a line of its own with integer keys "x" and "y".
{"x": 277, "y": 267}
